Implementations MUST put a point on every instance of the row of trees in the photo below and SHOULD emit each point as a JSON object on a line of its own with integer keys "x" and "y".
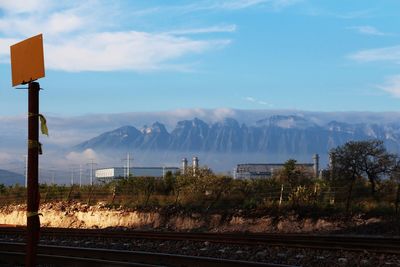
{"x": 366, "y": 163}
{"x": 359, "y": 170}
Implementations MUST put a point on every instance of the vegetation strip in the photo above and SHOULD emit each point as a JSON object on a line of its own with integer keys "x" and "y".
{"x": 362, "y": 176}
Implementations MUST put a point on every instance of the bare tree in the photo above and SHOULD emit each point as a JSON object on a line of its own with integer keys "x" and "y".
{"x": 356, "y": 159}
{"x": 376, "y": 161}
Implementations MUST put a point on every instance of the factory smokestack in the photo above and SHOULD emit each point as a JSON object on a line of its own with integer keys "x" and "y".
{"x": 316, "y": 165}
{"x": 184, "y": 165}
{"x": 195, "y": 164}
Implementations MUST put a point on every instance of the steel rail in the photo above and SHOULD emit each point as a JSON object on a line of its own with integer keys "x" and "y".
{"x": 329, "y": 242}
{"x": 73, "y": 256}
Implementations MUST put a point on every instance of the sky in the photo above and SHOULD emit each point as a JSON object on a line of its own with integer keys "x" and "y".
{"x": 110, "y": 63}
{"x": 149, "y": 55}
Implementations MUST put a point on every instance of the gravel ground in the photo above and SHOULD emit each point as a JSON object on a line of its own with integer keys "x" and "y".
{"x": 260, "y": 253}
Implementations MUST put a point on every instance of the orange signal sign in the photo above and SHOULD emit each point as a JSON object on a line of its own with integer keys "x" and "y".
{"x": 27, "y": 60}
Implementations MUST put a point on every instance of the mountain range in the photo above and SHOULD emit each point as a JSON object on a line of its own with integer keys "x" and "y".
{"x": 221, "y": 138}
{"x": 10, "y": 178}
{"x": 277, "y": 134}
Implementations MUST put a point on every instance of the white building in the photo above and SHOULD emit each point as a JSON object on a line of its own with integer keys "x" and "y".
{"x": 121, "y": 172}
{"x": 266, "y": 170}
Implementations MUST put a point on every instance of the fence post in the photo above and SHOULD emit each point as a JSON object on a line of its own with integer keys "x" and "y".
{"x": 45, "y": 196}
{"x": 281, "y": 196}
{"x": 90, "y": 195}
{"x": 70, "y": 192}
{"x": 114, "y": 193}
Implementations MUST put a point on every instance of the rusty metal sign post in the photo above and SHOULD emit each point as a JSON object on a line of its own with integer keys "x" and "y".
{"x": 27, "y": 65}
{"x": 33, "y": 197}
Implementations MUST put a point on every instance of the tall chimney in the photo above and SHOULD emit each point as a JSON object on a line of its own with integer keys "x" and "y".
{"x": 316, "y": 165}
{"x": 184, "y": 165}
{"x": 195, "y": 164}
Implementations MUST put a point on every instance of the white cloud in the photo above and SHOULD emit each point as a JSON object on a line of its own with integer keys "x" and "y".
{"x": 256, "y": 101}
{"x": 240, "y": 4}
{"x": 89, "y": 36}
{"x": 391, "y": 53}
{"x": 356, "y": 14}
{"x": 85, "y": 156}
{"x": 250, "y": 99}
{"x": 213, "y": 29}
{"x": 78, "y": 36}
{"x": 5, "y": 156}
{"x": 123, "y": 51}
{"x": 368, "y": 30}
{"x": 26, "y": 6}
{"x": 392, "y": 85}
{"x": 279, "y": 4}
{"x": 222, "y": 113}
{"x": 227, "y": 5}
{"x": 55, "y": 20}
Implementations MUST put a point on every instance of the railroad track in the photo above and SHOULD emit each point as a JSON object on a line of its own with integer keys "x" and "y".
{"x": 13, "y": 253}
{"x": 328, "y": 242}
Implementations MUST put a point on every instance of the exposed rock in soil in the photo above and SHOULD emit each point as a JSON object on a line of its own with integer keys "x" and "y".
{"x": 78, "y": 215}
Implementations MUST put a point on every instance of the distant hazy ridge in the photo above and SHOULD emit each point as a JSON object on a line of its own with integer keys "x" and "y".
{"x": 276, "y": 134}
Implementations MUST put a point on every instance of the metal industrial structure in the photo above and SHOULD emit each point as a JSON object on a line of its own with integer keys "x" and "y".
{"x": 195, "y": 165}
{"x": 267, "y": 170}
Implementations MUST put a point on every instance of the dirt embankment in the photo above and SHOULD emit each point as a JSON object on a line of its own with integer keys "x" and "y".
{"x": 79, "y": 215}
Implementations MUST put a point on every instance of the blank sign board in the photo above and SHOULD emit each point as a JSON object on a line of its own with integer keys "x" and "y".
{"x": 27, "y": 60}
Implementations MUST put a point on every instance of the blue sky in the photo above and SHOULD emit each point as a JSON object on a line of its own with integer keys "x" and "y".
{"x": 128, "y": 56}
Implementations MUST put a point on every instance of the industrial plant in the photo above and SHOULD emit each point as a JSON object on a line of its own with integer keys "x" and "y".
{"x": 107, "y": 174}
{"x": 267, "y": 170}
{"x": 241, "y": 171}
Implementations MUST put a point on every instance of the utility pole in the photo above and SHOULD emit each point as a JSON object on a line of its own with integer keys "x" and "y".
{"x": 127, "y": 165}
{"x": 91, "y": 163}
{"x": 72, "y": 176}
{"x": 33, "y": 221}
{"x": 27, "y": 65}
{"x": 80, "y": 175}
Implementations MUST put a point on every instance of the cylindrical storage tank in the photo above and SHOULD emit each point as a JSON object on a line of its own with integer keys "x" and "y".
{"x": 184, "y": 165}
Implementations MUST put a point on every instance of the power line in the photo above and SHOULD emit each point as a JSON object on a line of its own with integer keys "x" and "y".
{"x": 128, "y": 161}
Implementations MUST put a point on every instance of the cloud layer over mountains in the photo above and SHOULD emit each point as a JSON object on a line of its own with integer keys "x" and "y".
{"x": 222, "y": 137}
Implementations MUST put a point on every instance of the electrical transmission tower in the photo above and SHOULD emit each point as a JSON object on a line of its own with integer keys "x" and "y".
{"x": 92, "y": 164}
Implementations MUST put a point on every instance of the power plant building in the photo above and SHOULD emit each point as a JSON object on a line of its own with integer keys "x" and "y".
{"x": 121, "y": 172}
{"x": 267, "y": 170}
